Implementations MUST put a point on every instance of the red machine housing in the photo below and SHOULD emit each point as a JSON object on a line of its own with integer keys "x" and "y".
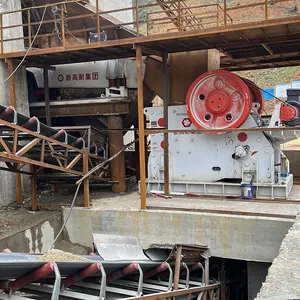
{"x": 288, "y": 113}
{"x": 221, "y": 100}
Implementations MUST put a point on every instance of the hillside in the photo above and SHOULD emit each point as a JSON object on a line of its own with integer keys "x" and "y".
{"x": 270, "y": 77}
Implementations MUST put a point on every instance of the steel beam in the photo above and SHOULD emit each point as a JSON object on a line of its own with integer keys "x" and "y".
{"x": 88, "y": 108}
{"x": 115, "y": 143}
{"x": 141, "y": 126}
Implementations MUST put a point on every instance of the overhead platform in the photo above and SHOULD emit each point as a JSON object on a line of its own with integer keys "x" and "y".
{"x": 263, "y": 44}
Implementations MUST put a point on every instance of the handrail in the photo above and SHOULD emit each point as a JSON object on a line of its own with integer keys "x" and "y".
{"x": 177, "y": 12}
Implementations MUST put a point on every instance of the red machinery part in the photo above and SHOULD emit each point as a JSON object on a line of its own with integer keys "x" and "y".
{"x": 221, "y": 100}
{"x": 256, "y": 94}
{"x": 288, "y": 113}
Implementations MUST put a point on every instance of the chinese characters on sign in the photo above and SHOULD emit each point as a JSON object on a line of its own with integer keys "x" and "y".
{"x": 78, "y": 77}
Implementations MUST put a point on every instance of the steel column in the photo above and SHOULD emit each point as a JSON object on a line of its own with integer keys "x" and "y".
{"x": 115, "y": 141}
{"x": 86, "y": 182}
{"x": 33, "y": 188}
{"x": 141, "y": 126}
{"x": 47, "y": 97}
{"x": 13, "y": 103}
{"x": 206, "y": 267}
{"x": 177, "y": 266}
{"x": 62, "y": 16}
{"x": 225, "y": 12}
{"x": 98, "y": 21}
{"x": 166, "y": 121}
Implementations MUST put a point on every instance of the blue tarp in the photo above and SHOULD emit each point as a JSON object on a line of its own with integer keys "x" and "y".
{"x": 268, "y": 94}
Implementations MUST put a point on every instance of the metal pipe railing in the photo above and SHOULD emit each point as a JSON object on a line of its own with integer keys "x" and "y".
{"x": 177, "y": 12}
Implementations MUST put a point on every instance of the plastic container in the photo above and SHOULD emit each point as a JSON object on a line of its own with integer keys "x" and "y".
{"x": 283, "y": 178}
{"x": 247, "y": 191}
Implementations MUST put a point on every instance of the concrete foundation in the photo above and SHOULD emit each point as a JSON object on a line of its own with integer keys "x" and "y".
{"x": 7, "y": 182}
{"x": 237, "y": 237}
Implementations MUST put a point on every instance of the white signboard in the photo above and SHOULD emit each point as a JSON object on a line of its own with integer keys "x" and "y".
{"x": 280, "y": 90}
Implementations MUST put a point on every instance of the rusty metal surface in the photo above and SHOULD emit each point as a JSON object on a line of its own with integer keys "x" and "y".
{"x": 239, "y": 50}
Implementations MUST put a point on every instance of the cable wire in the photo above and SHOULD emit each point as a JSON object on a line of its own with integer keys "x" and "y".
{"x": 29, "y": 48}
{"x": 79, "y": 184}
{"x": 67, "y": 218}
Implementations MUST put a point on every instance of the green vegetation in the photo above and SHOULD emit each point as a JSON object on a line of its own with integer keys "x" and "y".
{"x": 271, "y": 77}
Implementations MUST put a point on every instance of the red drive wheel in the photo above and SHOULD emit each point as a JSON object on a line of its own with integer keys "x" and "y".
{"x": 256, "y": 94}
{"x": 218, "y": 100}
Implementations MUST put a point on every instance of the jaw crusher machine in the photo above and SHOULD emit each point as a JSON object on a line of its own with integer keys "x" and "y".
{"x": 220, "y": 163}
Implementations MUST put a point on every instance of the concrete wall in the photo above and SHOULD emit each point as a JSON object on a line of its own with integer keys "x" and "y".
{"x": 294, "y": 158}
{"x": 37, "y": 238}
{"x": 257, "y": 273}
{"x": 236, "y": 237}
{"x": 283, "y": 277}
{"x": 7, "y": 182}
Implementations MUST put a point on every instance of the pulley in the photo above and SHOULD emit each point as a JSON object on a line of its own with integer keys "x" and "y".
{"x": 221, "y": 100}
{"x": 290, "y": 113}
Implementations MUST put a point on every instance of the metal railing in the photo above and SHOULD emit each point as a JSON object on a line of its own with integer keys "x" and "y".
{"x": 60, "y": 31}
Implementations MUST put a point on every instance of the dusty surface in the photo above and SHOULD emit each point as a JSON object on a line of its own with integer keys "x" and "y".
{"x": 105, "y": 199}
{"x": 132, "y": 201}
{"x": 59, "y": 256}
{"x": 284, "y": 274}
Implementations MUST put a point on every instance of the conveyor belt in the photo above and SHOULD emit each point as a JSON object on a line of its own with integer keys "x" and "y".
{"x": 9, "y": 114}
{"x": 26, "y": 276}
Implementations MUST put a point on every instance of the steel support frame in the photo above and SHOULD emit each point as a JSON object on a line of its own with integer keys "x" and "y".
{"x": 16, "y": 157}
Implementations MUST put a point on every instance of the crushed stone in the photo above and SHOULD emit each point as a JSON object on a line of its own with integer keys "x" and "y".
{"x": 56, "y": 255}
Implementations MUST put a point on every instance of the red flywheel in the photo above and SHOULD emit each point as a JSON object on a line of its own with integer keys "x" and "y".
{"x": 219, "y": 100}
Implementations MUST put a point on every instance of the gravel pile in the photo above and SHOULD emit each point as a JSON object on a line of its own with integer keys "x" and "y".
{"x": 61, "y": 256}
